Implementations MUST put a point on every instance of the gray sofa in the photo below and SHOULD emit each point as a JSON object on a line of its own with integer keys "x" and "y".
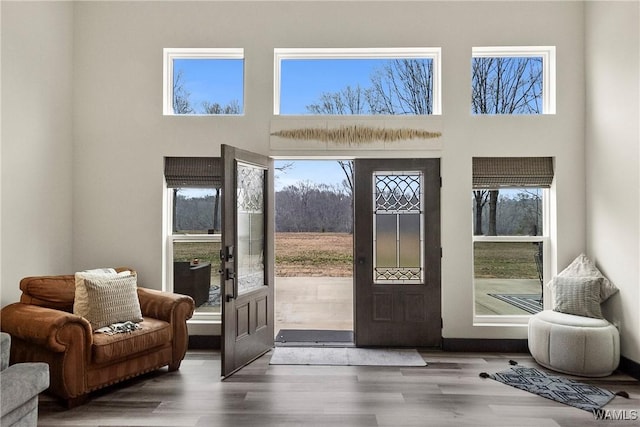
{"x": 21, "y": 384}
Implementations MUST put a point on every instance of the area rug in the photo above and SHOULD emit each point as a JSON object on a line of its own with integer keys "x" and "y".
{"x": 346, "y": 356}
{"x": 559, "y": 389}
{"x": 531, "y": 303}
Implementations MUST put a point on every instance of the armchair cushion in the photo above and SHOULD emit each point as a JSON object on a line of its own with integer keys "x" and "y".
{"x": 153, "y": 333}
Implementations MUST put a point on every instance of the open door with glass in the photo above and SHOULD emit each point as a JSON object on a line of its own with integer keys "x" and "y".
{"x": 246, "y": 255}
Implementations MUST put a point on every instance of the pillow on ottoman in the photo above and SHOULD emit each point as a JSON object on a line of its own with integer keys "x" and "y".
{"x": 582, "y": 266}
{"x": 578, "y": 295}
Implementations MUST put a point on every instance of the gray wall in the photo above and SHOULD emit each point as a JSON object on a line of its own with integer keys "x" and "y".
{"x": 37, "y": 155}
{"x": 613, "y": 158}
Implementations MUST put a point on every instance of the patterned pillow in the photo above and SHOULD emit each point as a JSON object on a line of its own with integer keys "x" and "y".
{"x": 81, "y": 301}
{"x": 582, "y": 266}
{"x": 578, "y": 295}
{"x": 112, "y": 300}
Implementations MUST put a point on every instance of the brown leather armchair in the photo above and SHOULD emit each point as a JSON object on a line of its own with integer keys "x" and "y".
{"x": 44, "y": 329}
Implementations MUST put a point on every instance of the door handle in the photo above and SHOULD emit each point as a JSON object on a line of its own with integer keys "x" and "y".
{"x": 229, "y": 274}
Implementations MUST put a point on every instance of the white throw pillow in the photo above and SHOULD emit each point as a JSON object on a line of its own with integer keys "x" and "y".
{"x": 112, "y": 300}
{"x": 579, "y": 296}
{"x": 582, "y": 266}
{"x": 81, "y": 301}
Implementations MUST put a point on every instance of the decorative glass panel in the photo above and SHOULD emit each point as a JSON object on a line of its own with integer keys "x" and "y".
{"x": 250, "y": 211}
{"x": 398, "y": 233}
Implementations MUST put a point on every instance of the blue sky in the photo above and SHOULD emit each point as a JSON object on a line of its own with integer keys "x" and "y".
{"x": 317, "y": 171}
{"x": 304, "y": 80}
{"x": 197, "y": 79}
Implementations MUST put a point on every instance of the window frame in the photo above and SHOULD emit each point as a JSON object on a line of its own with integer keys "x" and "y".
{"x": 510, "y": 319}
{"x": 170, "y": 240}
{"x": 169, "y": 54}
{"x": 433, "y": 53}
{"x": 548, "y": 54}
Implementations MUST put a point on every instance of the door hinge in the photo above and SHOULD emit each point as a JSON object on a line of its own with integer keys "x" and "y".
{"x": 440, "y": 251}
{"x": 440, "y": 182}
{"x": 441, "y": 323}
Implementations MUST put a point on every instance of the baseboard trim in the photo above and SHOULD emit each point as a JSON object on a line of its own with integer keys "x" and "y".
{"x": 629, "y": 367}
{"x": 205, "y": 342}
{"x": 485, "y": 345}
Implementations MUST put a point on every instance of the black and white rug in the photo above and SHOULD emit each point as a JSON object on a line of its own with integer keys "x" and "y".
{"x": 531, "y": 303}
{"x": 560, "y": 389}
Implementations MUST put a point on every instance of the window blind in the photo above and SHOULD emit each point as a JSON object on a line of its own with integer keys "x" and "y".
{"x": 202, "y": 172}
{"x": 514, "y": 172}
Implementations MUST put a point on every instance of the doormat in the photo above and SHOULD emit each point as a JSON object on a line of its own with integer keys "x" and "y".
{"x": 311, "y": 336}
{"x": 347, "y": 356}
{"x": 560, "y": 389}
{"x": 531, "y": 303}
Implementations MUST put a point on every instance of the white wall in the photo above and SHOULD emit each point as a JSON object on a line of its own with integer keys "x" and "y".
{"x": 36, "y": 142}
{"x": 120, "y": 136}
{"x": 613, "y": 158}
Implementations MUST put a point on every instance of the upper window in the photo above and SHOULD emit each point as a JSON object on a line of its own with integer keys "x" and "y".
{"x": 357, "y": 81}
{"x": 513, "y": 80}
{"x": 203, "y": 81}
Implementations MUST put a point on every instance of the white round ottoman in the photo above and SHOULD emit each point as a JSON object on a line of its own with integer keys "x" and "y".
{"x": 575, "y": 345}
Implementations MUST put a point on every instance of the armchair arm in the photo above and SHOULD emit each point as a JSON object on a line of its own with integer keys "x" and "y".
{"x": 53, "y": 329}
{"x": 165, "y": 305}
{"x": 173, "y": 308}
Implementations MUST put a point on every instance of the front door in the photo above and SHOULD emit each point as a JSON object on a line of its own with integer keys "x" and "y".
{"x": 397, "y": 252}
{"x": 247, "y": 258}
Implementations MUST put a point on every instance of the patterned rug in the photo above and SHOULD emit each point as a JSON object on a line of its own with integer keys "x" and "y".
{"x": 560, "y": 389}
{"x": 531, "y": 303}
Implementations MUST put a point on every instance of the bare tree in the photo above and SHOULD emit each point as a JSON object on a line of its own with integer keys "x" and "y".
{"x": 481, "y": 198}
{"x": 347, "y": 168}
{"x": 181, "y": 101}
{"x": 504, "y": 85}
{"x": 402, "y": 86}
{"x": 346, "y": 101}
{"x": 233, "y": 107}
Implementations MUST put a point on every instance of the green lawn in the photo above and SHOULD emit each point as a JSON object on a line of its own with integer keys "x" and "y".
{"x": 505, "y": 260}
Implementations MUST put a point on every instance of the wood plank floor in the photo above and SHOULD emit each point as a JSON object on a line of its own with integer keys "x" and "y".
{"x": 447, "y": 392}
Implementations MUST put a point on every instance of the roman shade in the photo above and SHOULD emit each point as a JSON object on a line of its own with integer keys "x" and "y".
{"x": 201, "y": 172}
{"x": 512, "y": 172}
